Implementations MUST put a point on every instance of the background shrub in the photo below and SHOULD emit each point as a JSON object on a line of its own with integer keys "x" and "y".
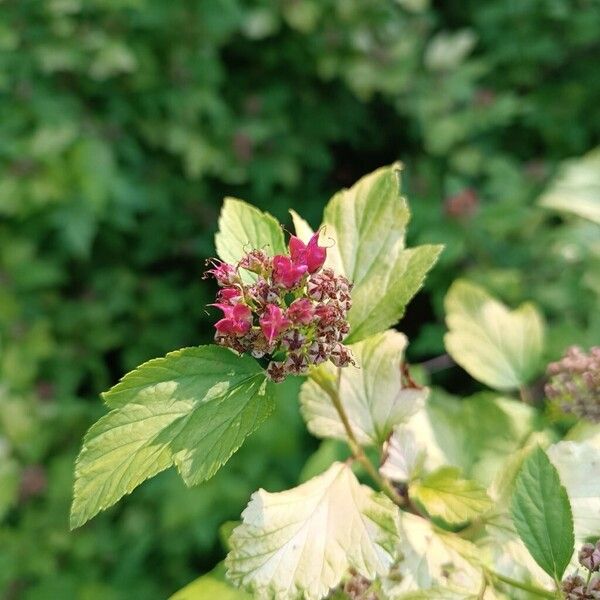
{"x": 123, "y": 123}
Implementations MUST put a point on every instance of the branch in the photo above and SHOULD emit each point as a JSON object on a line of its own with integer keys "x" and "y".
{"x": 357, "y": 450}
{"x": 526, "y": 587}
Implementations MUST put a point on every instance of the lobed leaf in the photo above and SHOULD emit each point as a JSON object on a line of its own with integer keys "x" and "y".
{"x": 298, "y": 544}
{"x": 379, "y": 302}
{"x": 475, "y": 434}
{"x": 244, "y": 227}
{"x": 542, "y": 514}
{"x": 372, "y": 393}
{"x": 193, "y": 408}
{"x": 494, "y": 345}
{"x": 576, "y": 188}
{"x": 368, "y": 224}
{"x": 509, "y": 556}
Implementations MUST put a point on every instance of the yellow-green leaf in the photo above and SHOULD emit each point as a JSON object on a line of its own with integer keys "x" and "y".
{"x": 447, "y": 496}
{"x": 367, "y": 224}
{"x": 496, "y": 346}
{"x": 192, "y": 409}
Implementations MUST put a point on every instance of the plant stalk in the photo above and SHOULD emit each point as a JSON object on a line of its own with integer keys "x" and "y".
{"x": 532, "y": 589}
{"x": 386, "y": 487}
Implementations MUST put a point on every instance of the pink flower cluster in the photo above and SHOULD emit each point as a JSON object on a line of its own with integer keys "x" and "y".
{"x": 292, "y": 313}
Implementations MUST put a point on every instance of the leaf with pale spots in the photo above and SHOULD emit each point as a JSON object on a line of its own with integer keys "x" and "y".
{"x": 298, "y": 544}
{"x": 432, "y": 560}
{"x": 372, "y": 393}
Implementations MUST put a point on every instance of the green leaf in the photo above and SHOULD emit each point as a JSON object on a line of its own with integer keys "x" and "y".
{"x": 9, "y": 483}
{"x": 578, "y": 466}
{"x": 193, "y": 408}
{"x": 368, "y": 224}
{"x": 244, "y": 227}
{"x": 372, "y": 393}
{"x": 576, "y": 188}
{"x": 302, "y": 229}
{"x": 494, "y": 345}
{"x": 542, "y": 514}
{"x": 301, "y": 542}
{"x": 212, "y": 586}
{"x": 445, "y": 495}
{"x": 379, "y": 302}
{"x": 225, "y": 531}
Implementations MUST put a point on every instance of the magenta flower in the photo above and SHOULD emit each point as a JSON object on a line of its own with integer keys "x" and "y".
{"x": 286, "y": 273}
{"x": 237, "y": 319}
{"x": 312, "y": 255}
{"x": 301, "y": 311}
{"x": 228, "y": 295}
{"x": 273, "y": 322}
{"x": 223, "y": 272}
{"x": 291, "y": 314}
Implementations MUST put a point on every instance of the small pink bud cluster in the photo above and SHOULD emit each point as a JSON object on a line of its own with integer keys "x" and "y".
{"x": 293, "y": 314}
{"x": 574, "y": 384}
{"x": 576, "y": 587}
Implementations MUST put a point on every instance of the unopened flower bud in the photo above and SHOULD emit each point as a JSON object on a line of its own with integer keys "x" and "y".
{"x": 340, "y": 355}
{"x": 224, "y": 273}
{"x": 296, "y": 363}
{"x": 293, "y": 339}
{"x": 593, "y": 589}
{"x": 301, "y": 311}
{"x": 256, "y": 261}
{"x": 276, "y": 371}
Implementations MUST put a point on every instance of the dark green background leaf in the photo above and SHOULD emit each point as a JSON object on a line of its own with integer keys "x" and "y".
{"x": 542, "y": 514}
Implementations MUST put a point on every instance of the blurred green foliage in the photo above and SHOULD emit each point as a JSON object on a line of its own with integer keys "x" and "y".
{"x": 122, "y": 125}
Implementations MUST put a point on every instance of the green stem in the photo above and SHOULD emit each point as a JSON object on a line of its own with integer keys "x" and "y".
{"x": 532, "y": 589}
{"x": 525, "y": 395}
{"x": 356, "y": 448}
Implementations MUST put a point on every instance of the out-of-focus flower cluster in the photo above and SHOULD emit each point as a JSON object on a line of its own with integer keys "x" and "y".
{"x": 292, "y": 312}
{"x": 574, "y": 384}
{"x": 359, "y": 588}
{"x": 576, "y": 587}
